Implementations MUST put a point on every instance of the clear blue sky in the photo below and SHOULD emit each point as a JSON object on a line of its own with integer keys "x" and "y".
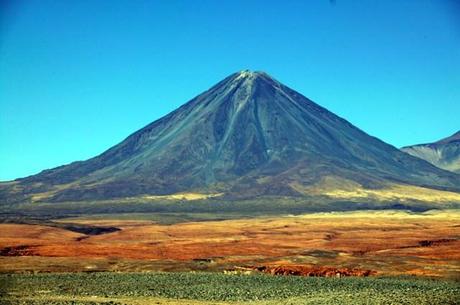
{"x": 77, "y": 77}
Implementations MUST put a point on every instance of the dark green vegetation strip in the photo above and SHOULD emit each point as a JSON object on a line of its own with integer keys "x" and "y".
{"x": 41, "y": 211}
{"x": 221, "y": 287}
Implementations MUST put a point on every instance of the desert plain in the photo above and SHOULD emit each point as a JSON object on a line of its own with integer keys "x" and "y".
{"x": 380, "y": 242}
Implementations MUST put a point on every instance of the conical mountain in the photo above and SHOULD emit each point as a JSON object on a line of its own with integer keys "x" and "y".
{"x": 247, "y": 136}
{"x": 444, "y": 153}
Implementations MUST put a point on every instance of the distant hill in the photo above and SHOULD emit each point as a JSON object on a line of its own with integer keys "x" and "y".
{"x": 444, "y": 153}
{"x": 247, "y": 136}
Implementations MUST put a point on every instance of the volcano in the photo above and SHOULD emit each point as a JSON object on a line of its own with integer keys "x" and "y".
{"x": 247, "y": 136}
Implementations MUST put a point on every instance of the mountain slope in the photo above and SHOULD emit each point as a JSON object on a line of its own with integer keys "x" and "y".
{"x": 444, "y": 153}
{"x": 247, "y": 136}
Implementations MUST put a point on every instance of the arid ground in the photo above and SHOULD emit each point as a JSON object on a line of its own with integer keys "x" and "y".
{"x": 376, "y": 242}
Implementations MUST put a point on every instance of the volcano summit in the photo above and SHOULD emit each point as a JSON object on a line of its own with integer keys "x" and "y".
{"x": 247, "y": 136}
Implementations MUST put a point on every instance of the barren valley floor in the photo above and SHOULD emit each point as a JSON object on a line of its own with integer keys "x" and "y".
{"x": 385, "y": 242}
{"x": 362, "y": 243}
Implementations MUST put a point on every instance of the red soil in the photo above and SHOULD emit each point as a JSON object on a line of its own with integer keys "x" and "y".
{"x": 322, "y": 271}
{"x": 351, "y": 246}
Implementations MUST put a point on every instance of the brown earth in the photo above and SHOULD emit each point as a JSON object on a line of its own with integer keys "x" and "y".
{"x": 315, "y": 244}
{"x": 303, "y": 270}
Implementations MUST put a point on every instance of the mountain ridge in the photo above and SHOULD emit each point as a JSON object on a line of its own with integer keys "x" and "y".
{"x": 444, "y": 153}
